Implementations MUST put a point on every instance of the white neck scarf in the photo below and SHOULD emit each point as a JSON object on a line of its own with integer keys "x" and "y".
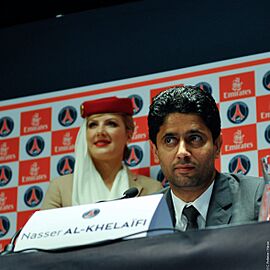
{"x": 88, "y": 185}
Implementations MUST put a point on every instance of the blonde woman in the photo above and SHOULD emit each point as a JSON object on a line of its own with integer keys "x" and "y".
{"x": 101, "y": 144}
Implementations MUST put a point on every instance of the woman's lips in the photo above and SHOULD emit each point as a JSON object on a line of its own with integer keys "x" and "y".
{"x": 102, "y": 143}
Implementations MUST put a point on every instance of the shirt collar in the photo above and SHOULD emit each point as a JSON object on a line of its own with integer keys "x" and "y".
{"x": 201, "y": 203}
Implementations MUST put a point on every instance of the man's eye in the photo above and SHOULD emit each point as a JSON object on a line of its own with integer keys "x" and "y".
{"x": 196, "y": 139}
{"x": 170, "y": 140}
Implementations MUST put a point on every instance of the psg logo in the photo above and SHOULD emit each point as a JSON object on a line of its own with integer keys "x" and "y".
{"x": 4, "y": 226}
{"x": 6, "y": 126}
{"x": 239, "y": 164}
{"x": 66, "y": 165}
{"x": 5, "y": 175}
{"x": 33, "y": 196}
{"x": 134, "y": 156}
{"x": 237, "y": 112}
{"x": 35, "y": 146}
{"x": 90, "y": 214}
{"x": 137, "y": 103}
{"x": 267, "y": 134}
{"x": 205, "y": 86}
{"x": 266, "y": 80}
{"x": 67, "y": 116}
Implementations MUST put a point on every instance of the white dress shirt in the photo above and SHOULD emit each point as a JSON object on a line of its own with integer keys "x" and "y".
{"x": 201, "y": 204}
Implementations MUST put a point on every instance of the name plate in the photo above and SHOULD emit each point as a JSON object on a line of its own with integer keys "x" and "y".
{"x": 93, "y": 223}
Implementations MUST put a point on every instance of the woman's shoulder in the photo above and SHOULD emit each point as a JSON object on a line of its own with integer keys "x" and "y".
{"x": 63, "y": 179}
{"x": 141, "y": 177}
{"x": 145, "y": 181}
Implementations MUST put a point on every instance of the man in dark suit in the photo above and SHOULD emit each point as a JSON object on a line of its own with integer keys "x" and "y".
{"x": 185, "y": 131}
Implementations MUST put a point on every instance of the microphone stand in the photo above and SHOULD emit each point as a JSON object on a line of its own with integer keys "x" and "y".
{"x": 9, "y": 248}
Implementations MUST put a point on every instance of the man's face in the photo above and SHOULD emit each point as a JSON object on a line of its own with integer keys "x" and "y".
{"x": 186, "y": 152}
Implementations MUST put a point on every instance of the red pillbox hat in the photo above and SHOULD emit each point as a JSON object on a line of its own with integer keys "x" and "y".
{"x": 107, "y": 105}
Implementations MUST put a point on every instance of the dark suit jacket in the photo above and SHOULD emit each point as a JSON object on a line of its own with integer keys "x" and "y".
{"x": 235, "y": 200}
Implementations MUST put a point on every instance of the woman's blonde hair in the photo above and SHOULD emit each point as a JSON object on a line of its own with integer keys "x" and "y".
{"x": 130, "y": 126}
{"x": 128, "y": 121}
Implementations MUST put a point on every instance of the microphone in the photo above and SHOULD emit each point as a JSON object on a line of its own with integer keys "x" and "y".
{"x": 129, "y": 193}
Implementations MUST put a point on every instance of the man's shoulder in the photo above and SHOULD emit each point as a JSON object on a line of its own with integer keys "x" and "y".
{"x": 241, "y": 179}
{"x": 243, "y": 183}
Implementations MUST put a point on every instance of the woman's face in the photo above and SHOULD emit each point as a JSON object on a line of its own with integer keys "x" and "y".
{"x": 106, "y": 136}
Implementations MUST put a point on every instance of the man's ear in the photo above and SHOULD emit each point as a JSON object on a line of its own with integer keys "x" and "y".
{"x": 155, "y": 152}
{"x": 218, "y": 143}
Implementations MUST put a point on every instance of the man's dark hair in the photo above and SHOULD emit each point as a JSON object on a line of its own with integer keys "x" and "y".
{"x": 183, "y": 99}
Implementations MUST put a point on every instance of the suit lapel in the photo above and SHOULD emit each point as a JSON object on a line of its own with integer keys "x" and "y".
{"x": 168, "y": 197}
{"x": 220, "y": 207}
